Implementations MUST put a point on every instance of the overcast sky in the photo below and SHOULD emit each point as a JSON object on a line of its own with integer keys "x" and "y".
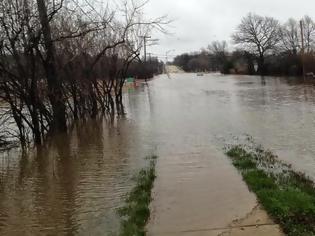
{"x": 198, "y": 22}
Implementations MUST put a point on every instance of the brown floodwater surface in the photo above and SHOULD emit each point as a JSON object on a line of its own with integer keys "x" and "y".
{"x": 74, "y": 185}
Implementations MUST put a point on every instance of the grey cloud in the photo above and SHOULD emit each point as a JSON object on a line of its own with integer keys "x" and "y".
{"x": 198, "y": 22}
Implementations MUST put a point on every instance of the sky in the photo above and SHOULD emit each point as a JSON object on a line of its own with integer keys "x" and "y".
{"x": 198, "y": 22}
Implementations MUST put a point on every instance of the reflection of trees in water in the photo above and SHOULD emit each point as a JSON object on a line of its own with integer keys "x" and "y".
{"x": 263, "y": 80}
{"x": 72, "y": 180}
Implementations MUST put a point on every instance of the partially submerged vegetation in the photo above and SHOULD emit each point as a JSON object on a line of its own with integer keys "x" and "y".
{"x": 288, "y": 196}
{"x": 67, "y": 61}
{"x": 136, "y": 213}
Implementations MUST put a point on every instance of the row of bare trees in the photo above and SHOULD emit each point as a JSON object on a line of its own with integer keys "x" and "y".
{"x": 263, "y": 36}
{"x": 260, "y": 41}
{"x": 63, "y": 60}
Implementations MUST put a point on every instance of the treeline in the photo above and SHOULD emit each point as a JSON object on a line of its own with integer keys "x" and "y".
{"x": 62, "y": 61}
{"x": 145, "y": 70}
{"x": 263, "y": 46}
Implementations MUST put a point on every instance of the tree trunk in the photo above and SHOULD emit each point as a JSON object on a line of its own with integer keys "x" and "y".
{"x": 36, "y": 127}
{"x": 54, "y": 83}
{"x": 261, "y": 65}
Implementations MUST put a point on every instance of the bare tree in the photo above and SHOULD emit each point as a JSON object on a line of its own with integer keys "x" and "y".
{"x": 309, "y": 33}
{"x": 258, "y": 34}
{"x": 290, "y": 36}
{"x": 218, "y": 52}
{"x": 218, "y": 47}
{"x": 49, "y": 61}
{"x": 63, "y": 60}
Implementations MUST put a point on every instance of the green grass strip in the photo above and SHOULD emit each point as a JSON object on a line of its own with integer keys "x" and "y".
{"x": 287, "y": 196}
{"x": 136, "y": 213}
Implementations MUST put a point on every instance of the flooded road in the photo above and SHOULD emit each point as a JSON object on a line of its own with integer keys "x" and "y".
{"x": 74, "y": 185}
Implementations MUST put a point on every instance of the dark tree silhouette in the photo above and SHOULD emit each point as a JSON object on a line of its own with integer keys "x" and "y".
{"x": 259, "y": 35}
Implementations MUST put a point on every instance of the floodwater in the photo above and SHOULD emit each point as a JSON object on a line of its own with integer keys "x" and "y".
{"x": 74, "y": 185}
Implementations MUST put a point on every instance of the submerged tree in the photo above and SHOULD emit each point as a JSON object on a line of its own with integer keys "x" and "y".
{"x": 66, "y": 60}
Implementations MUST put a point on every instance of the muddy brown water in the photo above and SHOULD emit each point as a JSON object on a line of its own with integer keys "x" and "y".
{"x": 73, "y": 186}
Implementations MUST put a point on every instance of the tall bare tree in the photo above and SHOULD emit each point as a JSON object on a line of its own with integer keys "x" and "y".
{"x": 54, "y": 83}
{"x": 218, "y": 52}
{"x": 309, "y": 33}
{"x": 258, "y": 34}
{"x": 290, "y": 36}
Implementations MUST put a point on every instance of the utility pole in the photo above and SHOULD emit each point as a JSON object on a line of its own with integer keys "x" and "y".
{"x": 147, "y": 39}
{"x": 145, "y": 53}
{"x": 302, "y": 49}
{"x": 145, "y": 46}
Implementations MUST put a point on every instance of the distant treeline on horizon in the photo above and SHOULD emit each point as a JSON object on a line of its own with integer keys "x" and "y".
{"x": 263, "y": 46}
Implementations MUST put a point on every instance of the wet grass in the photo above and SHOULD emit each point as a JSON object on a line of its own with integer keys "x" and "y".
{"x": 288, "y": 196}
{"x": 136, "y": 213}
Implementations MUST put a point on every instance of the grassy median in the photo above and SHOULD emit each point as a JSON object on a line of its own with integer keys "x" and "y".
{"x": 136, "y": 213}
{"x": 288, "y": 196}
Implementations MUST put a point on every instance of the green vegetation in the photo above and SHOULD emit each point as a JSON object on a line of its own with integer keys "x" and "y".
{"x": 288, "y": 196}
{"x": 135, "y": 214}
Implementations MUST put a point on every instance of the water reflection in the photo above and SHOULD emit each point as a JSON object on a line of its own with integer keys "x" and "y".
{"x": 72, "y": 186}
